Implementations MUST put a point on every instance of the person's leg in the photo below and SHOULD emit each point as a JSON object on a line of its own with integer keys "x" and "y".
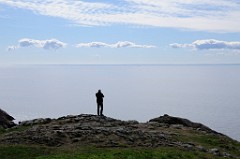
{"x": 98, "y": 107}
{"x": 101, "y": 109}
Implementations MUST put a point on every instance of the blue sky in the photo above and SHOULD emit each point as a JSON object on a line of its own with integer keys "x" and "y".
{"x": 119, "y": 32}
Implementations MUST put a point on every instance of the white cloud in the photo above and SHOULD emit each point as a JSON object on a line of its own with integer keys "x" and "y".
{"x": 207, "y": 15}
{"x": 209, "y": 44}
{"x": 12, "y": 48}
{"x": 51, "y": 44}
{"x": 120, "y": 44}
{"x": 176, "y": 45}
{"x": 93, "y": 44}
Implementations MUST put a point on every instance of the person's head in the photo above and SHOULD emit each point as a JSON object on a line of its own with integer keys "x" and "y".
{"x": 99, "y": 90}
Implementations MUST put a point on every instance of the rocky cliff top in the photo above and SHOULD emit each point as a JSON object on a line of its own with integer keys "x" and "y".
{"x": 101, "y": 131}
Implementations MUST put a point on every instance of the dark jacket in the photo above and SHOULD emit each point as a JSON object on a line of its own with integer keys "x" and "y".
{"x": 100, "y": 97}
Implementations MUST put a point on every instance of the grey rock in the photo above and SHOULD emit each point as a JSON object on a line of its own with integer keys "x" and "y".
{"x": 227, "y": 155}
{"x": 176, "y": 121}
{"x": 201, "y": 148}
{"x": 215, "y": 151}
{"x": 6, "y": 121}
{"x": 35, "y": 122}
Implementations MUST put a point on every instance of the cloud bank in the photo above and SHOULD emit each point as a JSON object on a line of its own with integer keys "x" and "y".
{"x": 206, "y": 15}
{"x": 54, "y": 44}
{"x": 51, "y": 44}
{"x": 209, "y": 44}
{"x": 120, "y": 44}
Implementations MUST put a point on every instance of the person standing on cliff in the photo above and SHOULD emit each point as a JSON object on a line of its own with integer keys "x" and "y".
{"x": 100, "y": 97}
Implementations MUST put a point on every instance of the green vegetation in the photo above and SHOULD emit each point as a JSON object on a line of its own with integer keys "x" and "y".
{"x": 17, "y": 129}
{"x": 208, "y": 141}
{"x": 22, "y": 152}
{"x": 2, "y": 130}
{"x": 33, "y": 152}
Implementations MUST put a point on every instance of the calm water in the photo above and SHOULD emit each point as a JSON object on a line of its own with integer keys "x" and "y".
{"x": 209, "y": 94}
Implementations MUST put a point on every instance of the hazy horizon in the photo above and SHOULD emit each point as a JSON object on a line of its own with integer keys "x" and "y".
{"x": 202, "y": 93}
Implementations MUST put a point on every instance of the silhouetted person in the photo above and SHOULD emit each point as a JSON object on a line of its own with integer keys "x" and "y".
{"x": 100, "y": 97}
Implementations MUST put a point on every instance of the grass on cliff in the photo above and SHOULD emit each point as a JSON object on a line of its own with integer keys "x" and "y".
{"x": 208, "y": 141}
{"x": 37, "y": 152}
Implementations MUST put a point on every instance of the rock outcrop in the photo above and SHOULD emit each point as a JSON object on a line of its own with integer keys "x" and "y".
{"x": 169, "y": 120}
{"x": 101, "y": 131}
{"x": 6, "y": 121}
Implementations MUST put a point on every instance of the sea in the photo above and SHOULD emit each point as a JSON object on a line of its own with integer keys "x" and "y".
{"x": 208, "y": 94}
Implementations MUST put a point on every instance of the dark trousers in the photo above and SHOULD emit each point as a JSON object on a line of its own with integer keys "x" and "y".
{"x": 100, "y": 108}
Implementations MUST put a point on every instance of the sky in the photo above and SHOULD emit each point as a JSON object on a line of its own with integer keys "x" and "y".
{"x": 119, "y": 32}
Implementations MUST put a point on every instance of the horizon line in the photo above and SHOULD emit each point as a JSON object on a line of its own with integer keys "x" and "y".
{"x": 130, "y": 64}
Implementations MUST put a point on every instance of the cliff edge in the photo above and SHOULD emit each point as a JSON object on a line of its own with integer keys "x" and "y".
{"x": 101, "y": 131}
